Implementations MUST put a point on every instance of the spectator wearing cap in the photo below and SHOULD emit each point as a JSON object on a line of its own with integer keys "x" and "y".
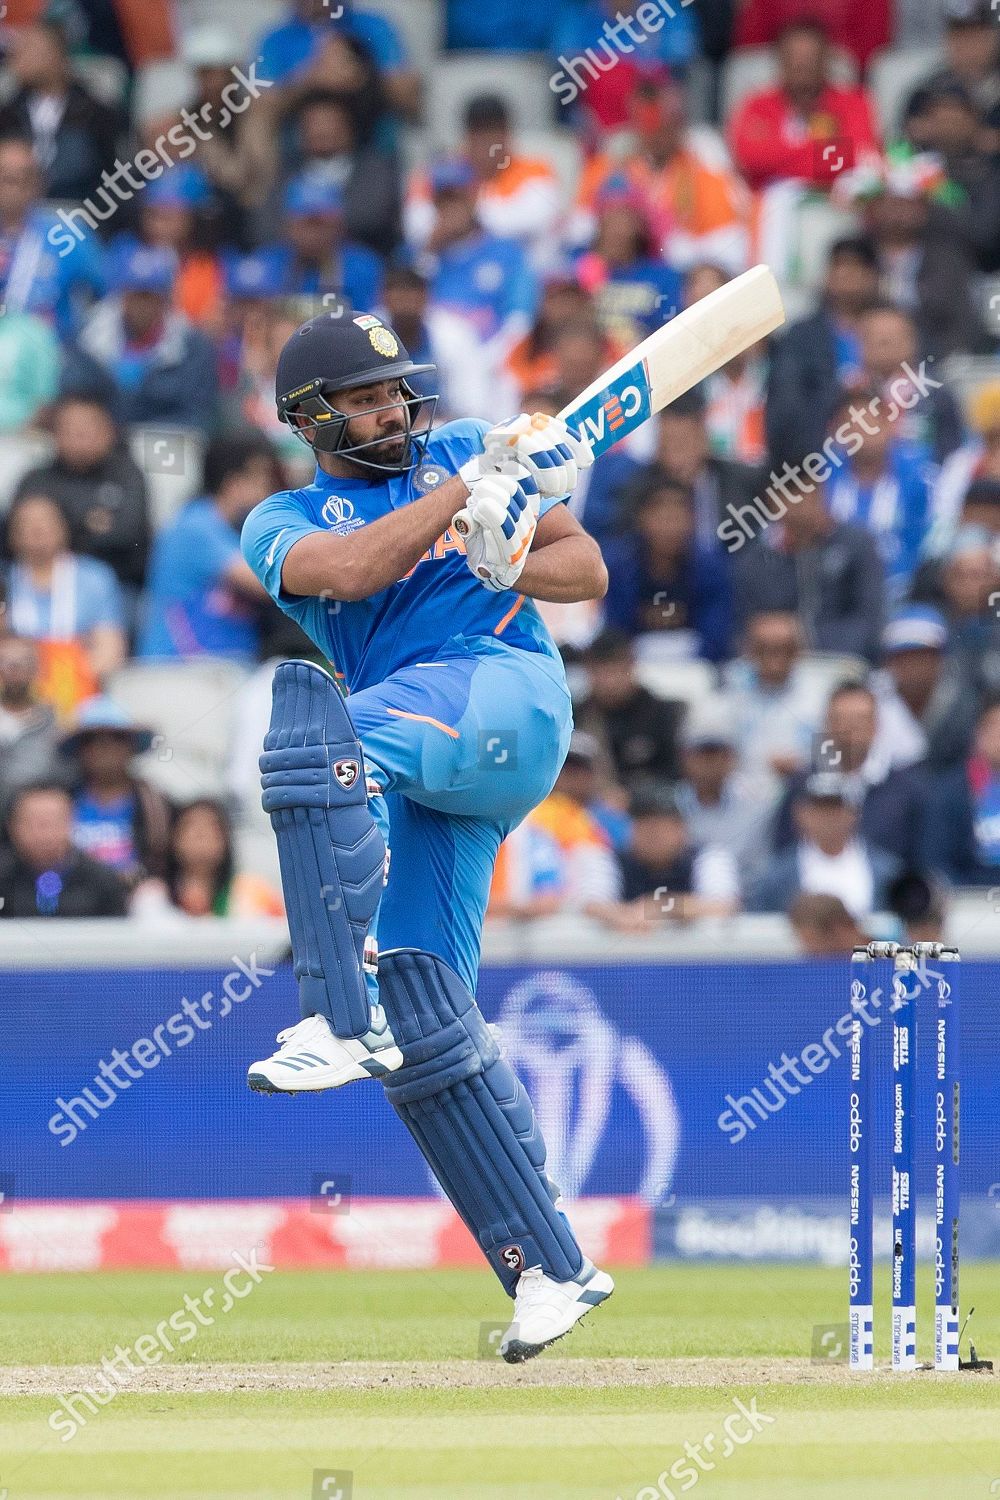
{"x": 174, "y": 212}
{"x": 346, "y": 47}
{"x": 723, "y": 806}
{"x": 639, "y": 731}
{"x": 925, "y": 711}
{"x": 519, "y": 196}
{"x": 325, "y": 143}
{"x": 119, "y": 819}
{"x": 479, "y": 276}
{"x": 972, "y": 45}
{"x": 964, "y": 840}
{"x": 634, "y": 292}
{"x": 71, "y": 605}
{"x": 73, "y": 136}
{"x": 560, "y": 860}
{"x": 27, "y": 724}
{"x": 822, "y": 352}
{"x": 932, "y": 428}
{"x": 435, "y": 336}
{"x": 163, "y": 368}
{"x": 664, "y": 875}
{"x": 825, "y": 571}
{"x": 913, "y": 215}
{"x": 99, "y": 488}
{"x": 202, "y": 598}
{"x": 776, "y": 702}
{"x": 787, "y": 132}
{"x": 697, "y": 201}
{"x": 239, "y": 162}
{"x": 824, "y": 927}
{"x": 253, "y": 284}
{"x": 315, "y": 256}
{"x": 666, "y": 584}
{"x": 42, "y": 874}
{"x": 830, "y": 855}
{"x": 607, "y": 75}
{"x": 881, "y": 484}
{"x": 978, "y": 459}
{"x": 891, "y": 798}
{"x": 45, "y": 267}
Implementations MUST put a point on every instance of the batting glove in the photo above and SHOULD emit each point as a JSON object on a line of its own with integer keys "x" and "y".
{"x": 545, "y": 446}
{"x": 497, "y": 526}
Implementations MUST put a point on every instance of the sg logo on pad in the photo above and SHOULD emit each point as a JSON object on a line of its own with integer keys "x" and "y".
{"x": 346, "y": 772}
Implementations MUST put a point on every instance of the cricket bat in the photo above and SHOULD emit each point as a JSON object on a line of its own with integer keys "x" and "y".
{"x": 676, "y": 357}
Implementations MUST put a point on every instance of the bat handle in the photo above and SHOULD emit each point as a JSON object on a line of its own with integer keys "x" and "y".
{"x": 462, "y": 524}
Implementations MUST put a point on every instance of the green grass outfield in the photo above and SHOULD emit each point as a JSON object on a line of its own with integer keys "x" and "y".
{"x": 473, "y": 1427}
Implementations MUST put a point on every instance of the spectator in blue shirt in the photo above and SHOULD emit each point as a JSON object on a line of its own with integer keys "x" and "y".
{"x": 635, "y": 292}
{"x": 46, "y": 268}
{"x": 580, "y": 24}
{"x": 308, "y": 50}
{"x": 202, "y": 599}
{"x": 163, "y": 368}
{"x": 315, "y": 257}
{"x": 663, "y": 582}
{"x": 479, "y": 276}
{"x": 503, "y": 25}
{"x": 883, "y": 486}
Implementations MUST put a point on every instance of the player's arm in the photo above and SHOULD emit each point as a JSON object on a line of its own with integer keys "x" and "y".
{"x": 371, "y": 559}
{"x": 564, "y": 565}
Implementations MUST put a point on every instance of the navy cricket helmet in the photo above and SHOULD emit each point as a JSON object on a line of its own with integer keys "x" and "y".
{"x": 338, "y": 351}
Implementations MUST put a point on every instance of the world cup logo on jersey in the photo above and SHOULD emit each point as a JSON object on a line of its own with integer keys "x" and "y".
{"x": 338, "y": 514}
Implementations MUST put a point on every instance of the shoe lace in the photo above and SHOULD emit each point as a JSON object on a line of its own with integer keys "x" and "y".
{"x": 530, "y": 1287}
{"x": 299, "y": 1034}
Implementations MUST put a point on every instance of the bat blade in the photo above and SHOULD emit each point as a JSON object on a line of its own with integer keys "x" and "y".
{"x": 676, "y": 357}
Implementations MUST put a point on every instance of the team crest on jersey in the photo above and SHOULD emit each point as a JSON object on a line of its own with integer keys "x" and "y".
{"x": 346, "y": 772}
{"x": 383, "y": 342}
{"x": 428, "y": 477}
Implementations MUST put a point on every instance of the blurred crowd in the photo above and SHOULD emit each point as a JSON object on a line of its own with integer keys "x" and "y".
{"x": 791, "y": 693}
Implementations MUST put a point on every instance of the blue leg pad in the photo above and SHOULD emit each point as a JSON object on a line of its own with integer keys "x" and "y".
{"x": 471, "y": 1118}
{"x": 331, "y": 853}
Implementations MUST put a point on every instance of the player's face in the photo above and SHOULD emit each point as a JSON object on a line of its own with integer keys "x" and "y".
{"x": 379, "y": 415}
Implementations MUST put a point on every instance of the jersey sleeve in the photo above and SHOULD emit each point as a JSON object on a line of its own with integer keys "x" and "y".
{"x": 269, "y": 534}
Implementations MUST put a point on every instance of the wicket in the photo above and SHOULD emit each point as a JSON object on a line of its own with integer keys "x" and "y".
{"x": 911, "y": 978}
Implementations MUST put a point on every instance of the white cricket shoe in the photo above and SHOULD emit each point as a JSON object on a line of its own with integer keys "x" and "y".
{"x": 311, "y": 1058}
{"x": 545, "y": 1310}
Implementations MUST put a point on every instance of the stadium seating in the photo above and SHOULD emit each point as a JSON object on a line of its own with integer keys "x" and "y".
{"x": 171, "y": 461}
{"x": 892, "y": 78}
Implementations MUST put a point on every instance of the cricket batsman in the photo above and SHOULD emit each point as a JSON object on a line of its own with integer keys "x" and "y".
{"x": 412, "y": 561}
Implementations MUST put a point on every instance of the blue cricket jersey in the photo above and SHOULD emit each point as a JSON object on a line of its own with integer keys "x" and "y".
{"x": 408, "y": 622}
